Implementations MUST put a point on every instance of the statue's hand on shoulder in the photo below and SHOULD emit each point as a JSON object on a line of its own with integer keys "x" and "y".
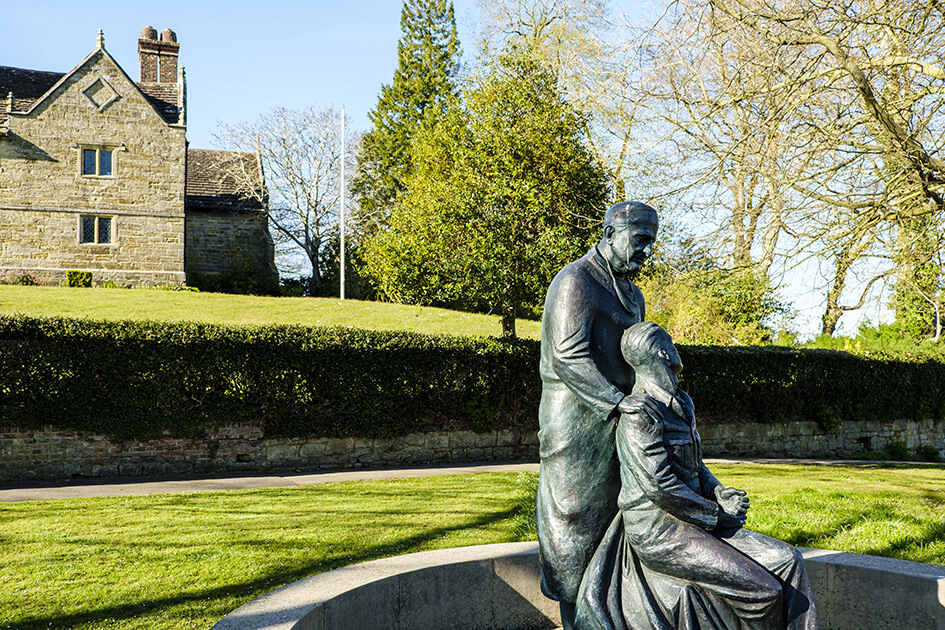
{"x": 732, "y": 500}
{"x": 641, "y": 405}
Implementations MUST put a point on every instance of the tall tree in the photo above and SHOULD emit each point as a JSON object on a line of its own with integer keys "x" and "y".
{"x": 881, "y": 64}
{"x": 577, "y": 41}
{"x": 498, "y": 202}
{"x": 425, "y": 81}
{"x": 300, "y": 151}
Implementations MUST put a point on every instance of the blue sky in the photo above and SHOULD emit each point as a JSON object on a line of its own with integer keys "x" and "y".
{"x": 242, "y": 58}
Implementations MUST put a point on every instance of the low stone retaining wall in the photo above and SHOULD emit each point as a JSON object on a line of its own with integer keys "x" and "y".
{"x": 809, "y": 439}
{"x": 496, "y": 587}
{"x": 51, "y": 453}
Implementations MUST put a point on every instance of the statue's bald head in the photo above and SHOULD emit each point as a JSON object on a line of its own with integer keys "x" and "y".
{"x": 620, "y": 214}
{"x": 629, "y": 232}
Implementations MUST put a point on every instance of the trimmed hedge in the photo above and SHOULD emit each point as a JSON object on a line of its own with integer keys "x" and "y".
{"x": 135, "y": 380}
{"x": 775, "y": 384}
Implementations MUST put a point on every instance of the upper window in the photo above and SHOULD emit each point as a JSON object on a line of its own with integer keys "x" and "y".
{"x": 97, "y": 162}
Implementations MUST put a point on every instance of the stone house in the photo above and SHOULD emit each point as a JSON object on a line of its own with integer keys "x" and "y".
{"x": 96, "y": 175}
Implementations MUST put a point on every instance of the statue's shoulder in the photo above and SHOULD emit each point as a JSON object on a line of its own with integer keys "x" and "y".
{"x": 581, "y": 272}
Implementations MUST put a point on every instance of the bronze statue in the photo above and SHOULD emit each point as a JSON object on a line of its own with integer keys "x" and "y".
{"x": 676, "y": 556}
{"x": 585, "y": 388}
{"x": 649, "y": 539}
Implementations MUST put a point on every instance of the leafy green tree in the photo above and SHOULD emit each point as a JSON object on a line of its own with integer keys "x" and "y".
{"x": 700, "y": 300}
{"x": 425, "y": 81}
{"x": 499, "y": 200}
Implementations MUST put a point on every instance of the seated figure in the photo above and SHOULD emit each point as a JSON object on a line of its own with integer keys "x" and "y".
{"x": 676, "y": 556}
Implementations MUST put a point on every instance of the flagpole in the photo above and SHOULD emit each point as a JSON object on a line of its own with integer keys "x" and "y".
{"x": 342, "y": 202}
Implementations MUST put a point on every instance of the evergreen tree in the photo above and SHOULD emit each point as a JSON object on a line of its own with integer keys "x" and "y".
{"x": 425, "y": 80}
{"x": 499, "y": 200}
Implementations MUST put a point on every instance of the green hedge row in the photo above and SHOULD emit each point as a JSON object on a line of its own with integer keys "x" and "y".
{"x": 132, "y": 380}
{"x": 136, "y": 380}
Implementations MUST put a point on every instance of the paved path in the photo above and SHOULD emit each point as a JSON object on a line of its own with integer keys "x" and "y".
{"x": 131, "y": 486}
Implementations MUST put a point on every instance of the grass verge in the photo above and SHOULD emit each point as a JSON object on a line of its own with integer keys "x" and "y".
{"x": 184, "y": 561}
{"x": 247, "y": 310}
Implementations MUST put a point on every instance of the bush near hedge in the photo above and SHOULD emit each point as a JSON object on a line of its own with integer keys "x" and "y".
{"x": 137, "y": 380}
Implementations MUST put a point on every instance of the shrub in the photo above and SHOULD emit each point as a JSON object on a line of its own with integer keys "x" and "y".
{"x": 16, "y": 276}
{"x": 76, "y": 278}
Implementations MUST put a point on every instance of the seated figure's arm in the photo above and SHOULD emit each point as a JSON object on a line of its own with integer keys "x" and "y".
{"x": 709, "y": 482}
{"x": 642, "y": 452}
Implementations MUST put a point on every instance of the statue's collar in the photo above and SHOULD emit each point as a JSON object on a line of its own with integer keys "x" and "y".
{"x": 656, "y": 391}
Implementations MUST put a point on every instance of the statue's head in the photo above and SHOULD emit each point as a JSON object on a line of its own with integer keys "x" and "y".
{"x": 629, "y": 231}
{"x": 648, "y": 349}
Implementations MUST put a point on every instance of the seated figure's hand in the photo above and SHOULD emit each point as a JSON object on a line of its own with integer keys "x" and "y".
{"x": 732, "y": 500}
{"x": 641, "y": 405}
{"x": 729, "y": 521}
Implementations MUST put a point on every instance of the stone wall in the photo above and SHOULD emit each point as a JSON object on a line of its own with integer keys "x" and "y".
{"x": 809, "y": 439}
{"x": 220, "y": 242}
{"x": 51, "y": 453}
{"x": 43, "y": 192}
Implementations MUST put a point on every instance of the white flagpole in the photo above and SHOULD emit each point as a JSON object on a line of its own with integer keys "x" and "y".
{"x": 342, "y": 202}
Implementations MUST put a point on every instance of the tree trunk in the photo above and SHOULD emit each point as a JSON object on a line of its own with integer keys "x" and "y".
{"x": 508, "y": 321}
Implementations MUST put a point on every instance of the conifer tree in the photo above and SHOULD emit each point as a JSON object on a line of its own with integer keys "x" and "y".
{"x": 425, "y": 80}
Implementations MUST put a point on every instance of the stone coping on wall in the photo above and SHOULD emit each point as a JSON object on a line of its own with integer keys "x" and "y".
{"x": 497, "y": 587}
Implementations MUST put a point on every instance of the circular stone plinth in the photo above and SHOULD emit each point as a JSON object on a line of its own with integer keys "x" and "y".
{"x": 497, "y": 586}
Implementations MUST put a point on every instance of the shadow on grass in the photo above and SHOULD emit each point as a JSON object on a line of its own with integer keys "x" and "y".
{"x": 256, "y": 587}
{"x": 821, "y": 537}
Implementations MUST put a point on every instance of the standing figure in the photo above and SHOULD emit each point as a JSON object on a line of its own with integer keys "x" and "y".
{"x": 585, "y": 388}
{"x": 676, "y": 557}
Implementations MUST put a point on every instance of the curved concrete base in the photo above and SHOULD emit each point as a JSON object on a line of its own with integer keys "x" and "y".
{"x": 497, "y": 587}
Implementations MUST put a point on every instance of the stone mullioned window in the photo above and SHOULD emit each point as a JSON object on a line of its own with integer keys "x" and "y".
{"x": 96, "y": 230}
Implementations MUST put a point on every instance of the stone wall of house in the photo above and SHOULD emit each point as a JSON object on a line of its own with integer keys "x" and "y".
{"x": 43, "y": 193}
{"x": 222, "y": 242}
{"x": 52, "y": 453}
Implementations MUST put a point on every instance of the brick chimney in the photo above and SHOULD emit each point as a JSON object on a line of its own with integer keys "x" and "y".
{"x": 158, "y": 58}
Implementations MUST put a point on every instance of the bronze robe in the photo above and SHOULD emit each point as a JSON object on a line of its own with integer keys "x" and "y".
{"x": 584, "y": 378}
{"x": 662, "y": 567}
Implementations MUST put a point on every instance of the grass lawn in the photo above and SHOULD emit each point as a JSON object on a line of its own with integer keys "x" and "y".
{"x": 246, "y": 310}
{"x": 183, "y": 561}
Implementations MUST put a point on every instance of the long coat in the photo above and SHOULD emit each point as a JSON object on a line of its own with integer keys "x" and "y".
{"x": 584, "y": 378}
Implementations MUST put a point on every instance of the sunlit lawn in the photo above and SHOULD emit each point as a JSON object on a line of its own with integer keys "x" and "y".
{"x": 183, "y": 561}
{"x": 243, "y": 310}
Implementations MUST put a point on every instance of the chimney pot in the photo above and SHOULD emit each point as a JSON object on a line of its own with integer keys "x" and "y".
{"x": 158, "y": 58}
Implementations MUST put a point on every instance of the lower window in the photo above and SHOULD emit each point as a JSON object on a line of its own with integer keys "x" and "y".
{"x": 96, "y": 230}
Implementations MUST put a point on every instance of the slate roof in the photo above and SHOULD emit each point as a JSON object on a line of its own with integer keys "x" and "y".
{"x": 219, "y": 181}
{"x": 28, "y": 86}
{"x": 164, "y": 98}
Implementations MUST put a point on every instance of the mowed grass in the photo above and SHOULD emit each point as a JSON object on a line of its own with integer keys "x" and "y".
{"x": 247, "y": 310}
{"x": 183, "y": 561}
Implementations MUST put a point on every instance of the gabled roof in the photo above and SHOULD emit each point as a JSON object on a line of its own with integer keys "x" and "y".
{"x": 223, "y": 181}
{"x": 27, "y": 87}
{"x": 30, "y": 87}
